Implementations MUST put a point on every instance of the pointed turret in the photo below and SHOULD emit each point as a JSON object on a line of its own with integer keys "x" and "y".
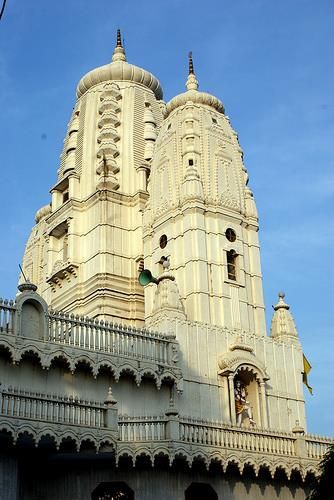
{"x": 282, "y": 324}
{"x": 119, "y": 52}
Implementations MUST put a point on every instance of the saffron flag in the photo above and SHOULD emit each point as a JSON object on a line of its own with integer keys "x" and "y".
{"x": 307, "y": 369}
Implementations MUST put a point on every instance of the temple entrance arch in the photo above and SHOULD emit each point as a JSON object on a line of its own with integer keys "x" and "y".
{"x": 115, "y": 490}
{"x": 198, "y": 491}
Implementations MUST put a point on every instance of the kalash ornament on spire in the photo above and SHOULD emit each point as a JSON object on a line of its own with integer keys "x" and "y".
{"x": 157, "y": 191}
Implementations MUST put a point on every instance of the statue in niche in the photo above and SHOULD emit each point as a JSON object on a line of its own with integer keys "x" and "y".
{"x": 242, "y": 406}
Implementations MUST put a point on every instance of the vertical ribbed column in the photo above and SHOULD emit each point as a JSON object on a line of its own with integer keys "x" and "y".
{"x": 107, "y": 138}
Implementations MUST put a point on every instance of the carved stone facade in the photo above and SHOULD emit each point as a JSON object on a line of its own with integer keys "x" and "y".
{"x": 174, "y": 390}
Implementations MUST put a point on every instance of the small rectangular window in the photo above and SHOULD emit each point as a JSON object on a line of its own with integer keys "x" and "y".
{"x": 231, "y": 265}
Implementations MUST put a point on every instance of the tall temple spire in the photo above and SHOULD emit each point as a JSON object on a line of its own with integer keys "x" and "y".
{"x": 192, "y": 83}
{"x": 119, "y": 52}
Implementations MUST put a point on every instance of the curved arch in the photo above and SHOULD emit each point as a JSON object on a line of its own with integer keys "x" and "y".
{"x": 60, "y": 355}
{"x": 4, "y": 347}
{"x": 126, "y": 452}
{"x": 183, "y": 455}
{"x": 200, "y": 458}
{"x": 6, "y": 427}
{"x": 234, "y": 460}
{"x": 31, "y": 349}
{"x": 232, "y": 361}
{"x": 68, "y": 437}
{"x": 144, "y": 454}
{"x": 105, "y": 364}
{"x": 250, "y": 462}
{"x": 46, "y": 434}
{"x": 89, "y": 439}
{"x": 83, "y": 360}
{"x": 127, "y": 369}
{"x": 167, "y": 376}
{"x": 107, "y": 441}
{"x": 197, "y": 490}
{"x": 31, "y": 313}
{"x": 309, "y": 471}
{"x": 26, "y": 430}
{"x": 112, "y": 489}
{"x": 161, "y": 452}
{"x": 216, "y": 458}
{"x": 266, "y": 465}
{"x": 282, "y": 467}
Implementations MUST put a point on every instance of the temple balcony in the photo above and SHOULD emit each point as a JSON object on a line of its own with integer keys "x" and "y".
{"x": 71, "y": 424}
{"x": 27, "y": 326}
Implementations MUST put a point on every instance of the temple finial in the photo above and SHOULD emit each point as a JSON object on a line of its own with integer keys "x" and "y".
{"x": 191, "y": 64}
{"x": 119, "y": 52}
{"x": 192, "y": 83}
{"x": 119, "y": 39}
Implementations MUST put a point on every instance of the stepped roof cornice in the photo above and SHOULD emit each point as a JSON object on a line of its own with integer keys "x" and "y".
{"x": 193, "y": 94}
{"x": 119, "y": 70}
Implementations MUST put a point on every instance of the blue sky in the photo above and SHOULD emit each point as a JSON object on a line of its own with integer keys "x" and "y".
{"x": 270, "y": 62}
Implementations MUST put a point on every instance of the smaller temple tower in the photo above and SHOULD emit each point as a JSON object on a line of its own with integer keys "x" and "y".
{"x": 202, "y": 216}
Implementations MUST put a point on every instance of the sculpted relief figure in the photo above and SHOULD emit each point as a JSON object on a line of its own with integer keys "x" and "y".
{"x": 242, "y": 406}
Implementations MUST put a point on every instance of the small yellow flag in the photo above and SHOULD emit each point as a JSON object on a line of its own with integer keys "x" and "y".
{"x": 307, "y": 369}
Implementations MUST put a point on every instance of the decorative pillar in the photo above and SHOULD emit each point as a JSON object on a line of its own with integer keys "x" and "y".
{"x": 173, "y": 422}
{"x": 300, "y": 442}
{"x": 232, "y": 402}
{"x": 111, "y": 413}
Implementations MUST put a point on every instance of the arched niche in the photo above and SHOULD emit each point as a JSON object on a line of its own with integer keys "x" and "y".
{"x": 31, "y": 313}
{"x": 115, "y": 490}
{"x": 240, "y": 363}
{"x": 198, "y": 491}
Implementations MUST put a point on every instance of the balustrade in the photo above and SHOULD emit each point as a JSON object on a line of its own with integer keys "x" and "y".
{"x": 317, "y": 446}
{"x": 108, "y": 337}
{"x": 51, "y": 408}
{"x": 248, "y": 440}
{"x": 7, "y": 314}
{"x": 98, "y": 335}
{"x": 141, "y": 429}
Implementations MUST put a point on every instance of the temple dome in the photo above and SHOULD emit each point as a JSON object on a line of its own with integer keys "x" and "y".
{"x": 119, "y": 70}
{"x": 194, "y": 95}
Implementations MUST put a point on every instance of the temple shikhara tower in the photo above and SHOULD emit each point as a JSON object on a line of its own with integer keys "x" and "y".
{"x": 135, "y": 361}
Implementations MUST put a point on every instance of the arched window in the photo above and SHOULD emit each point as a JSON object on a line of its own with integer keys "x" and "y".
{"x": 117, "y": 490}
{"x": 198, "y": 491}
{"x": 231, "y": 257}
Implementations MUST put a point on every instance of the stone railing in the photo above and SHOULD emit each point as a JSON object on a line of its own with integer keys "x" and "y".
{"x": 40, "y": 407}
{"x": 109, "y": 337}
{"x": 98, "y": 343}
{"x": 317, "y": 446}
{"x": 7, "y": 314}
{"x": 136, "y": 429}
{"x": 66, "y": 418}
{"x": 220, "y": 435}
